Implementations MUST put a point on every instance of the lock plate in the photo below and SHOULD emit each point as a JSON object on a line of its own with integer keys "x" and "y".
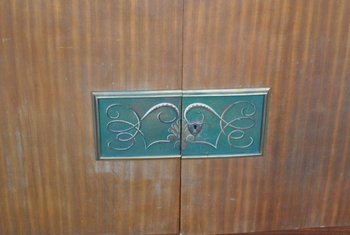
{"x": 223, "y": 123}
{"x": 137, "y": 124}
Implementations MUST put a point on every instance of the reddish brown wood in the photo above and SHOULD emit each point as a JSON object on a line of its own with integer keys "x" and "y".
{"x": 52, "y": 55}
{"x": 301, "y": 49}
{"x": 308, "y": 231}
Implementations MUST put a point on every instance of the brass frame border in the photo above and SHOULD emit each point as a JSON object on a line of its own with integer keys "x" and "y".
{"x": 96, "y": 95}
{"x": 265, "y": 91}
{"x": 226, "y": 92}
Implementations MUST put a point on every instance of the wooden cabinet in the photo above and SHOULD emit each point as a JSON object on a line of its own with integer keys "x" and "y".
{"x": 54, "y": 53}
{"x": 301, "y": 50}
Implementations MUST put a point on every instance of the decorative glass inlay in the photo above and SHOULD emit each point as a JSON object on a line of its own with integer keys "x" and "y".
{"x": 223, "y": 123}
{"x": 138, "y": 124}
{"x": 190, "y": 124}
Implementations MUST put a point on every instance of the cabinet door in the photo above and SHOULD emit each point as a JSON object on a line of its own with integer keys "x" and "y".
{"x": 52, "y": 55}
{"x": 301, "y": 49}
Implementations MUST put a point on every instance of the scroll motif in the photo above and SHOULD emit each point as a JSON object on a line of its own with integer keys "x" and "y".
{"x": 127, "y": 131}
{"x": 233, "y": 128}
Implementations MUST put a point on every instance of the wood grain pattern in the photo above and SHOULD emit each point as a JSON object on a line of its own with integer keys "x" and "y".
{"x": 301, "y": 49}
{"x": 307, "y": 231}
{"x": 52, "y": 55}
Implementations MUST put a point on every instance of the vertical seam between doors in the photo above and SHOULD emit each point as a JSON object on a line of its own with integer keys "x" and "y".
{"x": 181, "y": 86}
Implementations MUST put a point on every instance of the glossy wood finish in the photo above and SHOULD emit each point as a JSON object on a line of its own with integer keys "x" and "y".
{"x": 52, "y": 55}
{"x": 301, "y": 49}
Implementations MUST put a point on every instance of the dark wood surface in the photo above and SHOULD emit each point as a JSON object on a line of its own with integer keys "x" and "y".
{"x": 301, "y": 49}
{"x": 52, "y": 55}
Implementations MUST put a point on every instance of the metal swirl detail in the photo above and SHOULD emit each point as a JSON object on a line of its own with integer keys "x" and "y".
{"x": 234, "y": 129}
{"x": 126, "y": 131}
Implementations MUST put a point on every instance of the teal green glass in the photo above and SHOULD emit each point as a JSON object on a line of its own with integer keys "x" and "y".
{"x": 137, "y": 125}
{"x": 223, "y": 125}
{"x": 188, "y": 124}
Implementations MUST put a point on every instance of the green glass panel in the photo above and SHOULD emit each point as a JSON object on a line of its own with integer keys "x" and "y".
{"x": 138, "y": 124}
{"x": 223, "y": 124}
{"x": 191, "y": 124}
